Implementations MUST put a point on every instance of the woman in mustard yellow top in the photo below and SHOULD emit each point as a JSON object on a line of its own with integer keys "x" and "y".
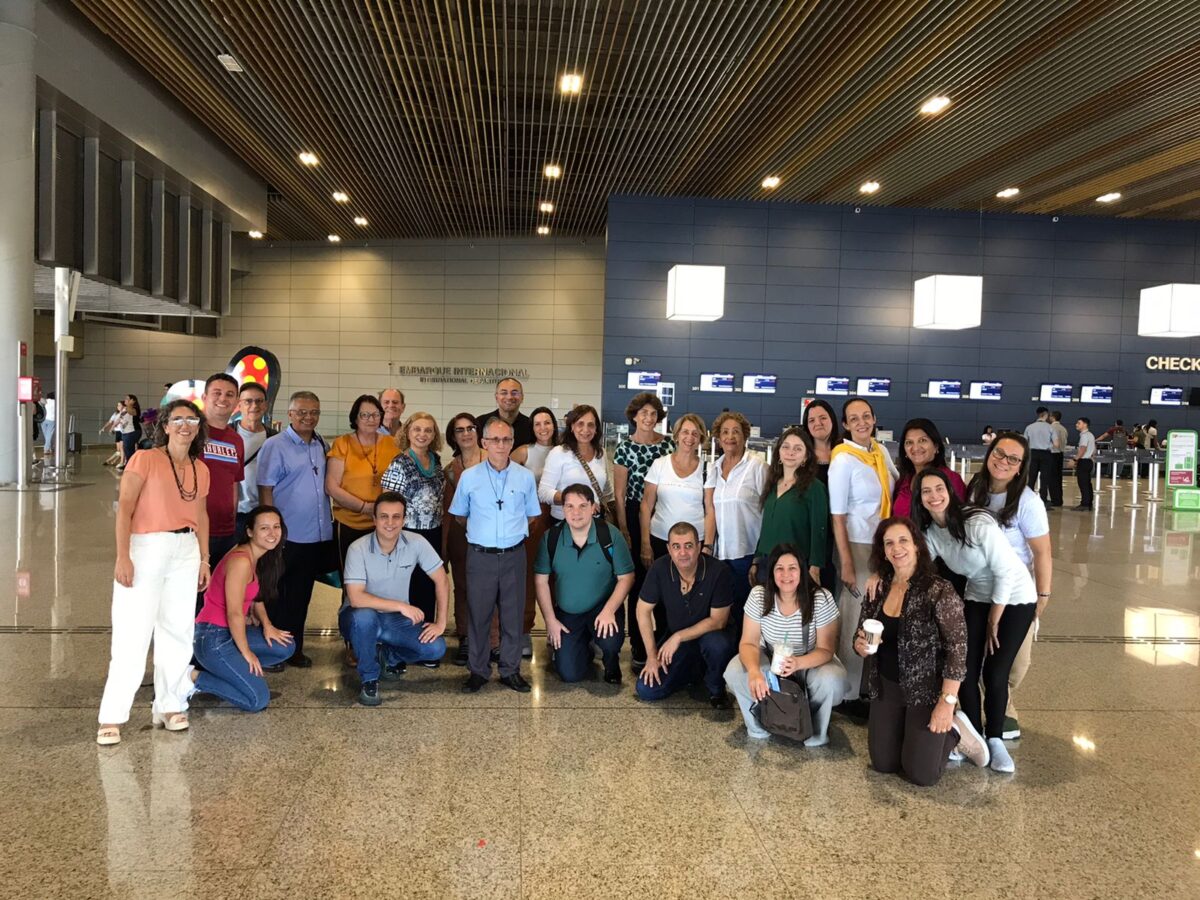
{"x": 354, "y": 472}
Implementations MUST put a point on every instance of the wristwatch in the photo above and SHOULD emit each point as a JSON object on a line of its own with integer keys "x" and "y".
{"x": 950, "y": 698}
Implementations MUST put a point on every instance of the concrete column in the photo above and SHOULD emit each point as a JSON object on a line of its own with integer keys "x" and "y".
{"x": 18, "y": 111}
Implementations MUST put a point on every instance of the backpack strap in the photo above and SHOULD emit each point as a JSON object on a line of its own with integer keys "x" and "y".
{"x": 604, "y": 537}
{"x": 553, "y": 536}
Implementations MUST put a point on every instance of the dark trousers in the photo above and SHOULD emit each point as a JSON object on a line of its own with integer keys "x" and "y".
{"x": 1083, "y": 477}
{"x": 303, "y": 564}
{"x": 1041, "y": 472}
{"x": 993, "y": 667}
{"x": 1056, "y": 474}
{"x": 704, "y": 658}
{"x": 420, "y": 590}
{"x": 218, "y": 546}
{"x": 740, "y": 570}
{"x": 637, "y": 646}
{"x": 899, "y": 739}
{"x": 495, "y": 582}
{"x": 574, "y": 658}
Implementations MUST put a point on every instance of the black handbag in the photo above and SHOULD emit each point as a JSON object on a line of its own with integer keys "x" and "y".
{"x": 786, "y": 712}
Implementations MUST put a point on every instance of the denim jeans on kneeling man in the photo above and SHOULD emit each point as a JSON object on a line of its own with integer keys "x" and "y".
{"x": 401, "y": 641}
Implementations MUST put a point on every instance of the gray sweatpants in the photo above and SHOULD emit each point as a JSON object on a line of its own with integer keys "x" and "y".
{"x": 825, "y": 684}
{"x": 495, "y": 581}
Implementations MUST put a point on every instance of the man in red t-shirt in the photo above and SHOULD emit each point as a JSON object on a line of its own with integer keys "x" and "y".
{"x": 225, "y": 456}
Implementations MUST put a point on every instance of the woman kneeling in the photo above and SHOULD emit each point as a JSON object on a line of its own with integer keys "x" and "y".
{"x": 915, "y": 669}
{"x": 231, "y": 650}
{"x": 794, "y": 616}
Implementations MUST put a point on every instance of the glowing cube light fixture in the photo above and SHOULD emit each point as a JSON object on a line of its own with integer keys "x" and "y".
{"x": 696, "y": 293}
{"x": 948, "y": 302}
{"x": 1170, "y": 310}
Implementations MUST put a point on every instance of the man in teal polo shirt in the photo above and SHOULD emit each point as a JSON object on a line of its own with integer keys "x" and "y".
{"x": 593, "y": 573}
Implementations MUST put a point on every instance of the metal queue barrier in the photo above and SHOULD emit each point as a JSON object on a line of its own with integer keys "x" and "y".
{"x": 1118, "y": 459}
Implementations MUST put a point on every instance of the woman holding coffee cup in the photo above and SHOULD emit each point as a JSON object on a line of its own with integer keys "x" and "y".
{"x": 798, "y": 620}
{"x": 913, "y": 636}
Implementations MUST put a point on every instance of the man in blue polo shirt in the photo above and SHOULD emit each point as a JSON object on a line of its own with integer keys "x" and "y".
{"x": 378, "y": 579}
{"x": 591, "y": 581}
{"x": 291, "y": 477}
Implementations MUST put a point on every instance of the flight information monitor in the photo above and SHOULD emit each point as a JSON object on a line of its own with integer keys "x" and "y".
{"x": 833, "y": 384}
{"x": 874, "y": 387}
{"x": 1056, "y": 393}
{"x": 720, "y": 382}
{"x": 1166, "y": 396}
{"x": 757, "y": 383}
{"x": 986, "y": 390}
{"x": 642, "y": 381}
{"x": 1096, "y": 393}
{"x": 945, "y": 389}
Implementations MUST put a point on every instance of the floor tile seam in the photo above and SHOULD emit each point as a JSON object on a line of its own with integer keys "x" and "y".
{"x": 757, "y": 832}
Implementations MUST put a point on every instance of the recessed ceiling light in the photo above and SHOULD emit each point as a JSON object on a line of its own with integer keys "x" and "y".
{"x": 334, "y": 238}
{"x": 1109, "y": 197}
{"x": 543, "y": 229}
{"x": 935, "y": 105}
{"x": 571, "y": 83}
{"x": 546, "y": 206}
{"x": 1008, "y": 192}
{"x": 230, "y": 64}
{"x": 869, "y": 187}
{"x": 308, "y": 159}
{"x": 552, "y": 170}
{"x": 771, "y": 182}
{"x": 255, "y": 234}
{"x": 361, "y": 221}
{"x": 341, "y": 197}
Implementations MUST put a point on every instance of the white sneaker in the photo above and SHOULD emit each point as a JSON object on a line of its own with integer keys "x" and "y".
{"x": 817, "y": 740}
{"x": 970, "y": 742}
{"x": 955, "y": 756}
{"x": 1001, "y": 761}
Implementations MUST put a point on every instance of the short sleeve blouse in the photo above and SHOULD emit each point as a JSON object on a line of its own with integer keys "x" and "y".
{"x": 362, "y": 475}
{"x": 780, "y": 629}
{"x": 638, "y": 458}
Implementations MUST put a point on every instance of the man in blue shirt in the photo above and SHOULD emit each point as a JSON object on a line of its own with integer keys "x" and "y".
{"x": 378, "y": 578}
{"x": 497, "y": 501}
{"x": 291, "y": 477}
{"x": 591, "y": 581}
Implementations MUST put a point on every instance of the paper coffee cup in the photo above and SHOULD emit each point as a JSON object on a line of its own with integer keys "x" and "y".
{"x": 779, "y": 653}
{"x": 874, "y": 631}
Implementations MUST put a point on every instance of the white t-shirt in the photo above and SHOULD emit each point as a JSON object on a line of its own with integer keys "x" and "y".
{"x": 563, "y": 469}
{"x": 126, "y": 424}
{"x": 737, "y": 503}
{"x": 49, "y": 406}
{"x": 1088, "y": 442}
{"x": 992, "y": 568}
{"x": 780, "y": 629}
{"x": 1030, "y": 521}
{"x": 1151, "y": 438}
{"x": 248, "y": 487}
{"x": 855, "y": 492}
{"x": 678, "y": 499}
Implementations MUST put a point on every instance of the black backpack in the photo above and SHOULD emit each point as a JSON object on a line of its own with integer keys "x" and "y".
{"x": 603, "y": 538}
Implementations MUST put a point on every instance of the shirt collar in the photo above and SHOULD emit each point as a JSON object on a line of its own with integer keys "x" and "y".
{"x": 401, "y": 541}
{"x": 569, "y": 538}
{"x": 296, "y": 439}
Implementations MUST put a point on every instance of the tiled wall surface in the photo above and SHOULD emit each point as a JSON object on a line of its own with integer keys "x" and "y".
{"x": 341, "y": 319}
{"x": 825, "y": 290}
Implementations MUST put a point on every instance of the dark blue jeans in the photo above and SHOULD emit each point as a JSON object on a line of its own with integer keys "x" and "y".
{"x": 226, "y": 672}
{"x": 400, "y": 639}
{"x": 706, "y": 657}
{"x": 740, "y": 570}
{"x": 574, "y": 658}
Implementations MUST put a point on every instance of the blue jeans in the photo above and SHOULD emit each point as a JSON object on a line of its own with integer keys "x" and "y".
{"x": 706, "y": 657}
{"x": 574, "y": 658}
{"x": 400, "y": 639}
{"x": 226, "y": 672}
{"x": 47, "y": 437}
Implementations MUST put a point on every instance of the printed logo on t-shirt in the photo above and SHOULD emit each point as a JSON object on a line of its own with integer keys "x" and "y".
{"x": 220, "y": 451}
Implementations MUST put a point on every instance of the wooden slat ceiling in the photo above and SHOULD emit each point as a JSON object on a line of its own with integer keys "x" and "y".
{"x": 437, "y": 116}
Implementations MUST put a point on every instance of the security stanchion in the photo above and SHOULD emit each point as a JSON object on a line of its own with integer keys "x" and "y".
{"x": 1153, "y": 487}
{"x": 1116, "y": 467}
{"x": 1133, "y": 503}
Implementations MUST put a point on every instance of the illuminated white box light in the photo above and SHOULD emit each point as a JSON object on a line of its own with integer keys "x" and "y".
{"x": 696, "y": 293}
{"x": 948, "y": 302}
{"x": 1170, "y": 310}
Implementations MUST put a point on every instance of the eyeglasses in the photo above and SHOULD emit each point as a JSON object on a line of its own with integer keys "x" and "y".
{"x": 304, "y": 413}
{"x": 180, "y": 421}
{"x": 369, "y": 417}
{"x": 1001, "y": 456}
{"x": 499, "y": 440}
{"x": 466, "y": 429}
{"x": 254, "y": 401}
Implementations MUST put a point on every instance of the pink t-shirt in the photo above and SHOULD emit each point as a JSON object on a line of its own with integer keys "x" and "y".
{"x": 213, "y": 611}
{"x": 902, "y": 505}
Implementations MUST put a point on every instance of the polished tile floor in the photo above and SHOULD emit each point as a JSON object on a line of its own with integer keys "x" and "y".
{"x": 583, "y": 792}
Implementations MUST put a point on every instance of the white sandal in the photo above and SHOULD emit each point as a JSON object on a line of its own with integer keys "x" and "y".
{"x": 176, "y": 721}
{"x": 108, "y": 735}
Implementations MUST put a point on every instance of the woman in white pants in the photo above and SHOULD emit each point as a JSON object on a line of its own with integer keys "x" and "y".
{"x": 162, "y": 527}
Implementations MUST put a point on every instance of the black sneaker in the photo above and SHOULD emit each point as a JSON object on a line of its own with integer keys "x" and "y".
{"x": 515, "y": 682}
{"x": 396, "y": 672}
{"x": 278, "y": 667}
{"x": 461, "y": 654}
{"x": 431, "y": 663}
{"x": 720, "y": 700}
{"x": 369, "y": 695}
{"x": 473, "y": 684}
{"x": 612, "y": 674}
{"x": 494, "y": 656}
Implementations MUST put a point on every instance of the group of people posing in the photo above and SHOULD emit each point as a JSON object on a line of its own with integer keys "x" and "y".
{"x": 726, "y": 573}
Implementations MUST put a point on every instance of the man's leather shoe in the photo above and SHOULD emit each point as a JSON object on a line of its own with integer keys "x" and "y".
{"x": 299, "y": 661}
{"x": 516, "y": 683}
{"x": 473, "y": 684}
{"x": 613, "y": 675}
{"x": 278, "y": 667}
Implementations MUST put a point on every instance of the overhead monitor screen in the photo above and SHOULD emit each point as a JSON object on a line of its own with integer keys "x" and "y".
{"x": 1056, "y": 393}
{"x": 874, "y": 387}
{"x": 721, "y": 382}
{"x": 640, "y": 381}
{"x": 759, "y": 384}
{"x": 1166, "y": 396}
{"x": 833, "y": 384}
{"x": 986, "y": 390}
{"x": 1096, "y": 393}
{"x": 945, "y": 389}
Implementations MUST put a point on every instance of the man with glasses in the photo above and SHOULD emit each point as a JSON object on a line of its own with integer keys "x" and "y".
{"x": 392, "y": 400}
{"x": 225, "y": 456}
{"x": 509, "y": 394}
{"x": 291, "y": 477}
{"x": 496, "y": 501}
{"x": 252, "y": 404}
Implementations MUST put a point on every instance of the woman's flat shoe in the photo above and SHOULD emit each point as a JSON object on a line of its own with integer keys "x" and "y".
{"x": 176, "y": 721}
{"x": 108, "y": 735}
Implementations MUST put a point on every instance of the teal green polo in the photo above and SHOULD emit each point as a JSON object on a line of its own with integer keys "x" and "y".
{"x": 583, "y": 576}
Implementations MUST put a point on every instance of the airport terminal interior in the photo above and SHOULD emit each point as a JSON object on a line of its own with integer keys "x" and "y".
{"x": 964, "y": 218}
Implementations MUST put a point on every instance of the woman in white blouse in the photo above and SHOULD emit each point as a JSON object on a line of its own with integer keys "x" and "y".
{"x": 578, "y": 460}
{"x": 733, "y": 506}
{"x": 861, "y": 479}
{"x": 674, "y": 489}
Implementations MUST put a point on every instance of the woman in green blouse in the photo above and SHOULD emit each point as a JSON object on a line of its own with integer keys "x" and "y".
{"x": 795, "y": 502}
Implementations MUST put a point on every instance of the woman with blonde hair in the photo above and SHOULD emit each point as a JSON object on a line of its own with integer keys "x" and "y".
{"x": 674, "y": 489}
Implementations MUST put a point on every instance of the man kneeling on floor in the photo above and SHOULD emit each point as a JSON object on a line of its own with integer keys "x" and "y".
{"x": 386, "y": 631}
{"x": 695, "y": 592}
{"x": 593, "y": 573}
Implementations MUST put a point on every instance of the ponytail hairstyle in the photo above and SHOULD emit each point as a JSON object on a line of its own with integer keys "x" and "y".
{"x": 269, "y": 568}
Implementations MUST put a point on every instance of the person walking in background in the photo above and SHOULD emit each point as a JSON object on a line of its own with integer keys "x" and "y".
{"x": 113, "y": 427}
{"x": 49, "y": 423}
{"x": 131, "y": 429}
{"x": 1040, "y": 435}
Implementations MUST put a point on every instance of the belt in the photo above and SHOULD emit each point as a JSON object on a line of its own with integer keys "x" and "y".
{"x": 186, "y": 530}
{"x": 496, "y": 551}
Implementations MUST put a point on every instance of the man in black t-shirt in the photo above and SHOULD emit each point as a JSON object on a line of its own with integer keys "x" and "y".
{"x": 694, "y": 592}
{"x": 509, "y": 394}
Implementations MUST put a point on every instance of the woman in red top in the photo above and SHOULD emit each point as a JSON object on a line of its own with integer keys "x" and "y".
{"x": 232, "y": 651}
{"x": 921, "y": 447}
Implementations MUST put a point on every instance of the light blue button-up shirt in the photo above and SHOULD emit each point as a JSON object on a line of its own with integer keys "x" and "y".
{"x": 497, "y": 505}
{"x": 295, "y": 471}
